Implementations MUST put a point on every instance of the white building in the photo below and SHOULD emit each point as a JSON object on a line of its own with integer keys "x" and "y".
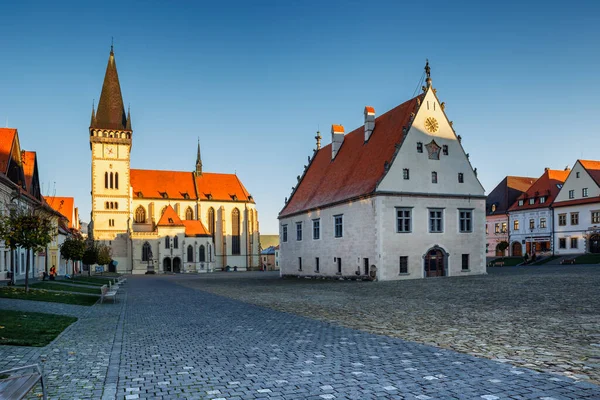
{"x": 531, "y": 216}
{"x": 396, "y": 198}
{"x": 163, "y": 221}
{"x": 577, "y": 211}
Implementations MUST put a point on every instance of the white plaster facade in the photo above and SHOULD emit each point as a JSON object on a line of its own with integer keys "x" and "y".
{"x": 371, "y": 240}
{"x": 524, "y": 235}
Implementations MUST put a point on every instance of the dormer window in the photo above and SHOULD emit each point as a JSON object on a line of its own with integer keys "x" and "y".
{"x": 208, "y": 196}
{"x": 170, "y": 220}
{"x": 164, "y": 195}
{"x": 185, "y": 196}
{"x": 419, "y": 147}
{"x": 140, "y": 194}
{"x": 234, "y": 197}
{"x": 532, "y": 200}
{"x": 520, "y": 202}
{"x": 542, "y": 199}
{"x": 493, "y": 208}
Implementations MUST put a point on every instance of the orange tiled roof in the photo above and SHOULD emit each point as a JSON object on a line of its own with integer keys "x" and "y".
{"x": 170, "y": 218}
{"x": 7, "y": 138}
{"x": 546, "y": 185}
{"x": 195, "y": 228}
{"x": 28, "y": 168}
{"x": 357, "y": 167}
{"x": 520, "y": 183}
{"x": 222, "y": 187}
{"x": 63, "y": 205}
{"x": 593, "y": 168}
{"x": 337, "y": 128}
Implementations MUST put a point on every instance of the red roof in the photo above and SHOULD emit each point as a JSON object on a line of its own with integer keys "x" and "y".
{"x": 358, "y": 166}
{"x": 586, "y": 200}
{"x": 7, "y": 138}
{"x": 170, "y": 218}
{"x": 548, "y": 185}
{"x": 63, "y": 205}
{"x": 337, "y": 128}
{"x": 28, "y": 168}
{"x": 195, "y": 228}
{"x": 176, "y": 184}
{"x": 593, "y": 168}
{"x": 520, "y": 183}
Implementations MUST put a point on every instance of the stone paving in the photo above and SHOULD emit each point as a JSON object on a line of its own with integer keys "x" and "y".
{"x": 167, "y": 341}
{"x": 546, "y": 318}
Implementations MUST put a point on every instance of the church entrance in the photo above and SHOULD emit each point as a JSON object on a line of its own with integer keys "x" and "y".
{"x": 434, "y": 263}
{"x": 517, "y": 249}
{"x": 177, "y": 265}
{"x": 595, "y": 244}
{"x": 167, "y": 264}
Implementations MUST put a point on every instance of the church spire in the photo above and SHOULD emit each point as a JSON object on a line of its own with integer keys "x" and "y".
{"x": 128, "y": 125}
{"x": 198, "y": 161}
{"x": 111, "y": 111}
{"x": 93, "y": 120}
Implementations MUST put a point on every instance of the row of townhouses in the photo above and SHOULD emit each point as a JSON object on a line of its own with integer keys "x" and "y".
{"x": 558, "y": 213}
{"x": 20, "y": 191}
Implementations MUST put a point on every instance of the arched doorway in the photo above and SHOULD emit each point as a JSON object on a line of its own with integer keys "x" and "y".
{"x": 167, "y": 264}
{"x": 177, "y": 265}
{"x": 595, "y": 244}
{"x": 435, "y": 262}
{"x": 517, "y": 249}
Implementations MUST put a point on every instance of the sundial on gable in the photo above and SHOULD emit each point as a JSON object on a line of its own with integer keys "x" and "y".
{"x": 433, "y": 150}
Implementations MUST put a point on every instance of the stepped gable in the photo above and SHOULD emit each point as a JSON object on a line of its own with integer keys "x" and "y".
{"x": 357, "y": 167}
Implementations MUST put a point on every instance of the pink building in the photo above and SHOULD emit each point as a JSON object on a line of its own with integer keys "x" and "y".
{"x": 497, "y": 204}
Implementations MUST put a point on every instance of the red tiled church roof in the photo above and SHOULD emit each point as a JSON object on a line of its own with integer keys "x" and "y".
{"x": 221, "y": 187}
{"x": 63, "y": 205}
{"x": 195, "y": 228}
{"x": 170, "y": 218}
{"x": 7, "y": 138}
{"x": 548, "y": 185}
{"x": 358, "y": 166}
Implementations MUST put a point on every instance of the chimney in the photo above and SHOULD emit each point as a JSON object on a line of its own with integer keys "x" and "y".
{"x": 369, "y": 122}
{"x": 337, "y": 138}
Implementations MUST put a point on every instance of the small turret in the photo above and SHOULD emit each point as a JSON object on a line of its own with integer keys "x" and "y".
{"x": 198, "y": 161}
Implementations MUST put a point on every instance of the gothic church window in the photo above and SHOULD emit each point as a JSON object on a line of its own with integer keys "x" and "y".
{"x": 211, "y": 221}
{"x": 140, "y": 215}
{"x": 167, "y": 242}
{"x": 202, "y": 254}
{"x": 146, "y": 252}
{"x": 190, "y": 253}
{"x": 189, "y": 214}
{"x": 116, "y": 180}
{"x": 235, "y": 231}
{"x": 111, "y": 180}
{"x": 175, "y": 242}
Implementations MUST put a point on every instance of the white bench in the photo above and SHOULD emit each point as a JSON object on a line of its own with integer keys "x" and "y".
{"x": 17, "y": 386}
{"x": 105, "y": 293}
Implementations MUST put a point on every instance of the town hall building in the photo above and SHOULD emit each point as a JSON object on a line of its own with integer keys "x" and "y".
{"x": 396, "y": 198}
{"x": 161, "y": 221}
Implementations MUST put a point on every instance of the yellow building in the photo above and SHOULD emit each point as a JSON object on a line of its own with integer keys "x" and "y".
{"x": 163, "y": 221}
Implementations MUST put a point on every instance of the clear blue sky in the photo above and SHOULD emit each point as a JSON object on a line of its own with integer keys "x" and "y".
{"x": 255, "y": 79}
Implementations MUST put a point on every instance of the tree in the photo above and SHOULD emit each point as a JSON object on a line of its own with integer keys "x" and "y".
{"x": 503, "y": 245}
{"x": 104, "y": 254}
{"x": 90, "y": 256}
{"x": 30, "y": 230}
{"x": 73, "y": 249}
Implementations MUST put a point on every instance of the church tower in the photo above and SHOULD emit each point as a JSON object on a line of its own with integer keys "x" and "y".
{"x": 110, "y": 142}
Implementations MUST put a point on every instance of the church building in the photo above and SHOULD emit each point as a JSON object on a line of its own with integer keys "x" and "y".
{"x": 160, "y": 221}
{"x": 396, "y": 198}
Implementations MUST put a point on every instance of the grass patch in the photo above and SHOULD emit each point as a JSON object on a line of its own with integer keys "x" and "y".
{"x": 545, "y": 260}
{"x": 508, "y": 261}
{"x": 588, "y": 259}
{"x": 51, "y": 297}
{"x": 63, "y": 288}
{"x": 30, "y": 328}
{"x": 80, "y": 282}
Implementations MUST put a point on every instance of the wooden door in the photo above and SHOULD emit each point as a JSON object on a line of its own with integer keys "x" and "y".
{"x": 434, "y": 263}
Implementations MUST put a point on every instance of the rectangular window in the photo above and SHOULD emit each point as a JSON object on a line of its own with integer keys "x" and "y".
{"x": 486, "y": 229}
{"x": 406, "y": 173}
{"x": 298, "y": 231}
{"x": 465, "y": 262}
{"x": 461, "y": 177}
{"x": 571, "y": 194}
{"x": 434, "y": 177}
{"x": 574, "y": 218}
{"x": 573, "y": 243}
{"x": 436, "y": 218}
{"x": 542, "y": 199}
{"x": 584, "y": 192}
{"x": 338, "y": 225}
{"x": 497, "y": 228}
{"x": 595, "y": 217}
{"x": 445, "y": 149}
{"x": 516, "y": 225}
{"x": 404, "y": 264}
{"x": 520, "y": 202}
{"x": 419, "y": 147}
{"x": 465, "y": 218}
{"x": 299, "y": 263}
{"x": 532, "y": 200}
{"x": 562, "y": 219}
{"x": 316, "y": 229}
{"x": 403, "y": 220}
{"x": 562, "y": 243}
{"x": 284, "y": 233}
{"x": 339, "y": 265}
{"x": 504, "y": 227}
{"x": 576, "y": 174}
{"x": 317, "y": 266}
{"x": 542, "y": 222}
{"x": 532, "y": 224}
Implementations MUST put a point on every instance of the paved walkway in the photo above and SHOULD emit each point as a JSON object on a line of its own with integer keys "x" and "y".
{"x": 166, "y": 341}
